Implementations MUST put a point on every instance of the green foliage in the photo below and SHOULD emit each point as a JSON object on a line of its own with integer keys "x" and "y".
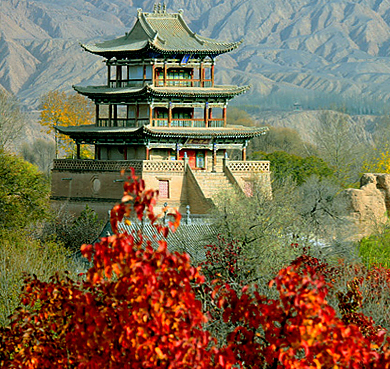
{"x": 299, "y": 169}
{"x": 24, "y": 192}
{"x": 20, "y": 254}
{"x": 375, "y": 249}
{"x": 281, "y": 139}
{"x": 238, "y": 116}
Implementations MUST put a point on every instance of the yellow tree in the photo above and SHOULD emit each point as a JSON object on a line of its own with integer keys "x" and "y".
{"x": 62, "y": 109}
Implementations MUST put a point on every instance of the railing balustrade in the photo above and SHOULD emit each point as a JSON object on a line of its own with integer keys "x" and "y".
{"x": 118, "y": 165}
{"x": 192, "y": 122}
{"x": 261, "y": 166}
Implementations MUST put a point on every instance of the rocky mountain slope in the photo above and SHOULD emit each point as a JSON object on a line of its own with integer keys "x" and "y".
{"x": 292, "y": 48}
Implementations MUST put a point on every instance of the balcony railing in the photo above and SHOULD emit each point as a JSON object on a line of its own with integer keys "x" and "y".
{"x": 171, "y": 82}
{"x": 150, "y": 165}
{"x": 249, "y": 166}
{"x": 198, "y": 123}
{"x": 140, "y": 166}
{"x": 121, "y": 122}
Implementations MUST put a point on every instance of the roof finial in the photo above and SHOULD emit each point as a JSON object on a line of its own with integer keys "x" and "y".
{"x": 159, "y": 8}
{"x": 164, "y": 7}
{"x": 155, "y": 8}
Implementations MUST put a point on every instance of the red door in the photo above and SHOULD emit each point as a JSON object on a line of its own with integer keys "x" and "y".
{"x": 191, "y": 155}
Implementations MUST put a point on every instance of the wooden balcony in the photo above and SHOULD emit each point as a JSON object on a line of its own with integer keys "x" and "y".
{"x": 197, "y": 123}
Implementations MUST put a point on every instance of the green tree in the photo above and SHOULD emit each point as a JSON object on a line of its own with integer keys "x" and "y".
{"x": 282, "y": 139}
{"x": 24, "y": 192}
{"x": 20, "y": 254}
{"x": 298, "y": 168}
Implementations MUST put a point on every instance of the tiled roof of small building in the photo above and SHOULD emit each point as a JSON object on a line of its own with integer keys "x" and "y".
{"x": 94, "y": 92}
{"x": 166, "y": 33}
{"x": 190, "y": 238}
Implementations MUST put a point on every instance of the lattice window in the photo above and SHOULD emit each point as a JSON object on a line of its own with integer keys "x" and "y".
{"x": 163, "y": 188}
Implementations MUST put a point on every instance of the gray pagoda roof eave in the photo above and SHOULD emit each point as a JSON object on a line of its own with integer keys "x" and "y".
{"x": 112, "y": 135}
{"x": 123, "y": 52}
{"x": 104, "y": 93}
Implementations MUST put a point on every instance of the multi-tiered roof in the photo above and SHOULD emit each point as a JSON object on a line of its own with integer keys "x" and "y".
{"x": 163, "y": 82}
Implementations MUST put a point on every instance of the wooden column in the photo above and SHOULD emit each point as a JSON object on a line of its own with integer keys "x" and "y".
{"x": 201, "y": 74}
{"x": 212, "y": 75}
{"x": 125, "y": 152}
{"x": 97, "y": 115}
{"x": 224, "y": 115}
{"x": 127, "y": 116}
{"x": 115, "y": 115}
{"x": 128, "y": 74}
{"x": 144, "y": 73}
{"x": 244, "y": 154}
{"x": 97, "y": 152}
{"x": 206, "y": 114}
{"x": 214, "y": 158}
{"x": 77, "y": 151}
{"x": 108, "y": 75}
{"x": 177, "y": 151}
{"x": 147, "y": 152}
{"x": 154, "y": 76}
{"x": 165, "y": 73}
{"x": 169, "y": 114}
{"x": 118, "y": 75}
{"x": 136, "y": 114}
{"x": 150, "y": 114}
{"x": 109, "y": 115}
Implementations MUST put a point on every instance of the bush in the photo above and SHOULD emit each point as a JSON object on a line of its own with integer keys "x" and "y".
{"x": 375, "y": 249}
{"x": 298, "y": 168}
{"x": 24, "y": 192}
{"x": 19, "y": 254}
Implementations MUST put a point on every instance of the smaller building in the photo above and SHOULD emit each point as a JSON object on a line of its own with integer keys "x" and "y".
{"x": 161, "y": 113}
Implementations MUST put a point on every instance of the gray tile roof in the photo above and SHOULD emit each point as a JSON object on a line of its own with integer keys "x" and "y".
{"x": 166, "y": 33}
{"x": 100, "y": 91}
{"x": 190, "y": 238}
{"x": 147, "y": 131}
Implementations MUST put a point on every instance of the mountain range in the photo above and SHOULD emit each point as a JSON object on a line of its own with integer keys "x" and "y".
{"x": 301, "y": 50}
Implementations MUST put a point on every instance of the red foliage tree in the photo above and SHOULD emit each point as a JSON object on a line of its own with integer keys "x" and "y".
{"x": 135, "y": 309}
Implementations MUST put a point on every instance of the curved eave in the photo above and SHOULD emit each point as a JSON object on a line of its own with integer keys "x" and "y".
{"x": 199, "y": 92}
{"x": 96, "y": 92}
{"x": 238, "y": 132}
{"x": 220, "y": 48}
{"x": 227, "y": 133}
{"x": 149, "y": 46}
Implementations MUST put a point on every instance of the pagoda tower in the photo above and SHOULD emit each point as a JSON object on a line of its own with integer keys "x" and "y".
{"x": 161, "y": 113}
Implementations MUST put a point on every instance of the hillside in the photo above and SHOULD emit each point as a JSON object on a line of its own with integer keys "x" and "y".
{"x": 302, "y": 49}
